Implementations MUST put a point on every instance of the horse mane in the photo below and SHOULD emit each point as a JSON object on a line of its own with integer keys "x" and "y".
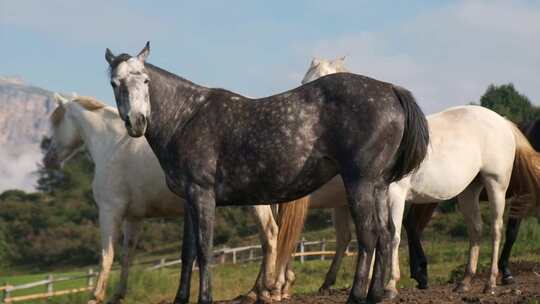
{"x": 87, "y": 102}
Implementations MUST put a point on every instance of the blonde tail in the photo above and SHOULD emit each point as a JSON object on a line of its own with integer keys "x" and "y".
{"x": 525, "y": 180}
{"x": 290, "y": 220}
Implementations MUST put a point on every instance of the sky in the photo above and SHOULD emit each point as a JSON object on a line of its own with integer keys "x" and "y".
{"x": 445, "y": 52}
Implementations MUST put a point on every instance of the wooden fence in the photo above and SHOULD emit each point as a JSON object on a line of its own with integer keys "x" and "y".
{"x": 306, "y": 250}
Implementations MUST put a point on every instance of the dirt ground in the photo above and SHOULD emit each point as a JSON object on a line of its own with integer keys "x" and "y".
{"x": 525, "y": 290}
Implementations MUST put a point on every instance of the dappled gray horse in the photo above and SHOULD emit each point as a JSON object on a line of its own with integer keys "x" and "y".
{"x": 220, "y": 148}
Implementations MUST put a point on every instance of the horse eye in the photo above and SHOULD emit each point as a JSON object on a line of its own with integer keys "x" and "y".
{"x": 146, "y": 81}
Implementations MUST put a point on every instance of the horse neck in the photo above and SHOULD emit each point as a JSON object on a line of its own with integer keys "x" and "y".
{"x": 173, "y": 101}
{"x": 100, "y": 130}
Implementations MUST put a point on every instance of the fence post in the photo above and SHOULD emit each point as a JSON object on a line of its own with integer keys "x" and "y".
{"x": 234, "y": 256}
{"x": 50, "y": 290}
{"x": 251, "y": 254}
{"x": 90, "y": 280}
{"x": 222, "y": 257}
{"x": 302, "y": 249}
{"x": 323, "y": 248}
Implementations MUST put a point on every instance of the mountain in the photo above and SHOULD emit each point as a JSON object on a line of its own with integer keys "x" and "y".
{"x": 24, "y": 112}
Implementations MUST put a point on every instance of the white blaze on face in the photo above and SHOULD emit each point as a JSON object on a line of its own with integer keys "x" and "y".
{"x": 134, "y": 94}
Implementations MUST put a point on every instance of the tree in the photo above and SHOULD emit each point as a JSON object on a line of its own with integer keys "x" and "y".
{"x": 507, "y": 101}
{"x": 48, "y": 179}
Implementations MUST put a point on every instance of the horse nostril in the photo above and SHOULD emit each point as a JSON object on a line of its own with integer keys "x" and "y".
{"x": 140, "y": 120}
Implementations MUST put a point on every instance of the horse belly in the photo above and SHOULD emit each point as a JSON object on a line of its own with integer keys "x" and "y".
{"x": 276, "y": 184}
{"x": 444, "y": 174}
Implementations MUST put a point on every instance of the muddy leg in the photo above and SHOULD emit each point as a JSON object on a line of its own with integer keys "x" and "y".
{"x": 496, "y": 192}
{"x": 109, "y": 224}
{"x": 470, "y": 208}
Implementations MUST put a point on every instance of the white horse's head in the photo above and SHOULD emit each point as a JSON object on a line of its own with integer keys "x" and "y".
{"x": 130, "y": 83}
{"x": 321, "y": 67}
{"x": 66, "y": 139}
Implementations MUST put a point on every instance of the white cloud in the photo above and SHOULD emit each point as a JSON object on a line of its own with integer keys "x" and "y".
{"x": 448, "y": 56}
{"x": 17, "y": 170}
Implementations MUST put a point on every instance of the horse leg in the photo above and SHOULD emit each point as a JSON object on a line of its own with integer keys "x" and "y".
{"x": 470, "y": 208}
{"x": 268, "y": 232}
{"x": 189, "y": 251}
{"x": 369, "y": 210}
{"x": 109, "y": 224}
{"x": 512, "y": 229}
{"x": 202, "y": 206}
{"x": 131, "y": 237}
{"x": 496, "y": 193}
{"x": 341, "y": 219}
{"x": 290, "y": 277}
{"x": 396, "y": 199}
{"x": 415, "y": 223}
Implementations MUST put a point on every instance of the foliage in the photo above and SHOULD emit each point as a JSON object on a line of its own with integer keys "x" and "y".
{"x": 507, "y": 101}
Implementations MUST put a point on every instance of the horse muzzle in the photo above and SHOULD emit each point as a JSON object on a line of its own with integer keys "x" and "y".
{"x": 136, "y": 125}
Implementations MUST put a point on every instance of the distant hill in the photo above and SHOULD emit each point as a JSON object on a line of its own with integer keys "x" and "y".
{"x": 24, "y": 112}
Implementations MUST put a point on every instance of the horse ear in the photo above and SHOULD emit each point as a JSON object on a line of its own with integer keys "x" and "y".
{"x": 144, "y": 53}
{"x": 109, "y": 56}
{"x": 60, "y": 100}
{"x": 315, "y": 61}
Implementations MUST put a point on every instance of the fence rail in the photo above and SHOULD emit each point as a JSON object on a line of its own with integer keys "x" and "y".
{"x": 305, "y": 250}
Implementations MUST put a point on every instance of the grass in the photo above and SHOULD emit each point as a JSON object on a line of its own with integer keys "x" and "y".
{"x": 445, "y": 254}
{"x": 231, "y": 280}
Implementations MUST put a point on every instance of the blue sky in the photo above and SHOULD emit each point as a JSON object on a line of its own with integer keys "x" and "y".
{"x": 446, "y": 52}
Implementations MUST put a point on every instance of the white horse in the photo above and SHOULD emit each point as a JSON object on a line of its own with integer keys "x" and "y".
{"x": 472, "y": 148}
{"x": 129, "y": 186}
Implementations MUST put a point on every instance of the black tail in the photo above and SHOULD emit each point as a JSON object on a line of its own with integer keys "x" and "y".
{"x": 415, "y": 140}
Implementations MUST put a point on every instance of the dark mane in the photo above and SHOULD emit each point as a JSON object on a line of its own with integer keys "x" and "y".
{"x": 167, "y": 74}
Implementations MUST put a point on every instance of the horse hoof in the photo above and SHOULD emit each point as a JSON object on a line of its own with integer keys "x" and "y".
{"x": 351, "y": 300}
{"x": 390, "y": 294}
{"x": 508, "y": 280}
{"x": 117, "y": 299}
{"x": 375, "y": 297}
{"x": 489, "y": 290}
{"x": 244, "y": 299}
{"x": 286, "y": 296}
{"x": 94, "y": 301}
{"x": 423, "y": 285}
{"x": 462, "y": 287}
{"x": 325, "y": 291}
{"x": 265, "y": 299}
